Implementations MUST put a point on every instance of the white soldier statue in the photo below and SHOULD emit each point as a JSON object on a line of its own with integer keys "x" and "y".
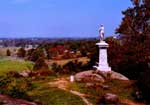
{"x": 101, "y": 32}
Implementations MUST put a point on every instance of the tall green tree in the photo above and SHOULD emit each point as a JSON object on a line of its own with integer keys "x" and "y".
{"x": 40, "y": 64}
{"x": 35, "y": 54}
{"x": 135, "y": 37}
{"x": 135, "y": 31}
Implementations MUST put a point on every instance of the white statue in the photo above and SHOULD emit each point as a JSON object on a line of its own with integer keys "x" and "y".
{"x": 101, "y": 32}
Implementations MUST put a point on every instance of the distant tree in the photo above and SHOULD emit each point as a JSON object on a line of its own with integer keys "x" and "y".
{"x": 21, "y": 52}
{"x": 40, "y": 64}
{"x": 29, "y": 53}
{"x": 8, "y": 53}
{"x": 57, "y": 68}
{"x": 70, "y": 67}
{"x": 34, "y": 55}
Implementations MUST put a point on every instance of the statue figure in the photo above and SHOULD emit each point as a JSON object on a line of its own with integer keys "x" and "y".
{"x": 101, "y": 32}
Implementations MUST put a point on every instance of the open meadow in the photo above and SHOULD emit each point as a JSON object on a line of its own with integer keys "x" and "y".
{"x": 8, "y": 64}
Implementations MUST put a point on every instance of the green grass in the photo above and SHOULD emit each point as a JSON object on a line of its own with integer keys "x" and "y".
{"x": 14, "y": 65}
{"x": 47, "y": 95}
{"x": 54, "y": 96}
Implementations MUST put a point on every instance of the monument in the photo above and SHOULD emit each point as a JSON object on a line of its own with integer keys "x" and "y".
{"x": 103, "y": 62}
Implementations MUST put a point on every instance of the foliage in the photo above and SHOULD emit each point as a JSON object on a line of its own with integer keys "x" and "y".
{"x": 93, "y": 58}
{"x": 135, "y": 31}
{"x": 16, "y": 92}
{"x": 57, "y": 68}
{"x": 135, "y": 36}
{"x": 73, "y": 67}
{"x": 40, "y": 64}
{"x": 35, "y": 54}
{"x": 70, "y": 67}
{"x": 21, "y": 52}
{"x": 16, "y": 88}
{"x": 144, "y": 85}
{"x": 4, "y": 80}
{"x": 8, "y": 53}
{"x": 114, "y": 52}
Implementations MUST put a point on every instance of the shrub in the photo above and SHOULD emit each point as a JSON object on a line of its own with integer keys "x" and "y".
{"x": 44, "y": 72}
{"x": 40, "y": 64}
{"x": 21, "y": 52}
{"x": 17, "y": 92}
{"x": 13, "y": 74}
{"x": 69, "y": 67}
{"x": 8, "y": 53}
{"x": 16, "y": 88}
{"x": 57, "y": 68}
{"x": 4, "y": 82}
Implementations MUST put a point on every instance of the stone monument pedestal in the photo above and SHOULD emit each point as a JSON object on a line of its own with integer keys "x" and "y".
{"x": 103, "y": 63}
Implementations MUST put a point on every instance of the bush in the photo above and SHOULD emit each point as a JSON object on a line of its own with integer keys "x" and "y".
{"x": 73, "y": 67}
{"x": 13, "y": 74}
{"x": 8, "y": 53}
{"x": 4, "y": 82}
{"x": 131, "y": 69}
{"x": 16, "y": 88}
{"x": 17, "y": 92}
{"x": 21, "y": 52}
{"x": 35, "y": 54}
{"x": 57, "y": 68}
{"x": 70, "y": 67}
{"x": 40, "y": 64}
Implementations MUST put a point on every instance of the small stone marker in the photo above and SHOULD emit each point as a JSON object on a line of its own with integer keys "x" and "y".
{"x": 71, "y": 78}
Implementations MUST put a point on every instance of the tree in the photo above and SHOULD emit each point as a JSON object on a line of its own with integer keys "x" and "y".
{"x": 8, "y": 53}
{"x": 40, "y": 64}
{"x": 114, "y": 52}
{"x": 135, "y": 32}
{"x": 135, "y": 37}
{"x": 35, "y": 54}
{"x": 21, "y": 52}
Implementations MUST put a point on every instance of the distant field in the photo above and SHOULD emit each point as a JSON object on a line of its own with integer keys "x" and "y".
{"x": 12, "y": 50}
{"x": 84, "y": 60}
{"x": 7, "y": 65}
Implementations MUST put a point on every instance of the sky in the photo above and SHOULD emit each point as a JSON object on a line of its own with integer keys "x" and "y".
{"x": 60, "y": 18}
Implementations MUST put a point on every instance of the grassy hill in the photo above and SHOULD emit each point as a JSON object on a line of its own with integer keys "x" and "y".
{"x": 8, "y": 64}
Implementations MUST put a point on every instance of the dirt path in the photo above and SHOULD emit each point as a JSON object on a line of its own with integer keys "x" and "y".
{"x": 62, "y": 83}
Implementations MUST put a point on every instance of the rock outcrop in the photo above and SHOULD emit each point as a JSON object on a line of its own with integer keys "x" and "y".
{"x": 98, "y": 76}
{"x": 6, "y": 100}
{"x": 109, "y": 99}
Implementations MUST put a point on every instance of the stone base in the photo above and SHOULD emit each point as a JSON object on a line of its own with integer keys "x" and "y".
{"x": 105, "y": 69}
